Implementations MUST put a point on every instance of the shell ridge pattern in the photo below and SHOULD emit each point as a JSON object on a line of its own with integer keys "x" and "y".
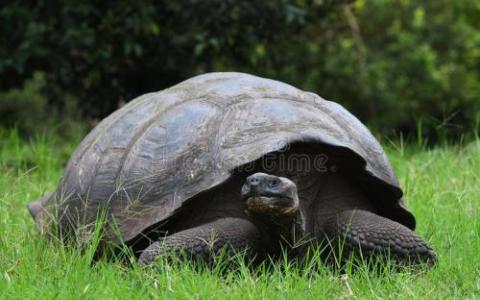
{"x": 115, "y": 117}
{"x": 141, "y": 133}
{"x": 97, "y": 134}
{"x": 374, "y": 148}
{"x": 215, "y": 143}
{"x": 245, "y": 98}
{"x": 233, "y": 105}
{"x": 176, "y": 198}
{"x": 242, "y": 99}
{"x": 340, "y": 121}
{"x": 173, "y": 202}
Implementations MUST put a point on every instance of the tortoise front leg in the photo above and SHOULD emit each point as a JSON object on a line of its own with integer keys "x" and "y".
{"x": 204, "y": 241}
{"x": 370, "y": 235}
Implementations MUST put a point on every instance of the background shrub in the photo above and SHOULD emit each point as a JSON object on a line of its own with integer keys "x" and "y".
{"x": 399, "y": 65}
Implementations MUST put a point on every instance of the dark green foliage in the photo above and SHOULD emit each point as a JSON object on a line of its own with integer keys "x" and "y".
{"x": 26, "y": 104}
{"x": 113, "y": 51}
{"x": 27, "y": 109}
{"x": 397, "y": 64}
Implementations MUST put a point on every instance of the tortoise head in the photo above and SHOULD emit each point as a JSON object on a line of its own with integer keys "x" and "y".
{"x": 268, "y": 196}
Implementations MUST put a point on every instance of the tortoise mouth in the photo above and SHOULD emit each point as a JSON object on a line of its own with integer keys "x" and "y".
{"x": 261, "y": 204}
{"x": 264, "y": 194}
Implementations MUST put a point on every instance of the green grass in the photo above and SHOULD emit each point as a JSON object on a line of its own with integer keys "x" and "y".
{"x": 442, "y": 188}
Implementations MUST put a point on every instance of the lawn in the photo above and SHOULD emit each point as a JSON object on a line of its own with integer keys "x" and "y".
{"x": 442, "y": 187}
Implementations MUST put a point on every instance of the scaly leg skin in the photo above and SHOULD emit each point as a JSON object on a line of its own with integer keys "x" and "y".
{"x": 205, "y": 241}
{"x": 370, "y": 235}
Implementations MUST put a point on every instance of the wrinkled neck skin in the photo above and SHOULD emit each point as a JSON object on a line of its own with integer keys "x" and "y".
{"x": 307, "y": 171}
{"x": 280, "y": 227}
{"x": 323, "y": 191}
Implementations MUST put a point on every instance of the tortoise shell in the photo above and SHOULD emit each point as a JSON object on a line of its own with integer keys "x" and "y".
{"x": 144, "y": 161}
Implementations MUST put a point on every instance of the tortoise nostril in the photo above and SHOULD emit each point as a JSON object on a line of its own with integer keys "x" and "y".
{"x": 253, "y": 181}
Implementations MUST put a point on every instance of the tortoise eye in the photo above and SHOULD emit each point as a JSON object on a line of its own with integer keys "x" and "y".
{"x": 274, "y": 182}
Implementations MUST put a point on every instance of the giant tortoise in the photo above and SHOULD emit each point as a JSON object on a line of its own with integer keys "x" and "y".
{"x": 234, "y": 160}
